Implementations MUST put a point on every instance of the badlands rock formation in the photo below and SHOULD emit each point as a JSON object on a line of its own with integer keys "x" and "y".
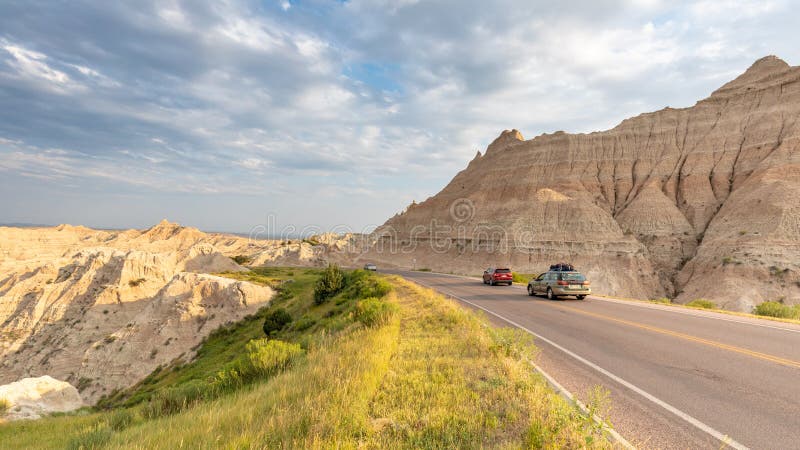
{"x": 695, "y": 202}
{"x": 31, "y": 398}
{"x": 315, "y": 251}
{"x": 102, "y": 309}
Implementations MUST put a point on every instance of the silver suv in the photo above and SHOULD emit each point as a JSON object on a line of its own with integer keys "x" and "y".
{"x": 557, "y": 283}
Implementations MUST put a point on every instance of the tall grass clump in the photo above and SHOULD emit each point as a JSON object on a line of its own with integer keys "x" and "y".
{"x": 120, "y": 419}
{"x": 174, "y": 400}
{"x": 373, "y": 311}
{"x": 777, "y": 309}
{"x": 91, "y": 437}
{"x": 702, "y": 303}
{"x": 5, "y": 405}
{"x": 329, "y": 284}
{"x": 264, "y": 358}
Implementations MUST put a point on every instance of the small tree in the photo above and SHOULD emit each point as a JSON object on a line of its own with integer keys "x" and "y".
{"x": 275, "y": 321}
{"x": 329, "y": 284}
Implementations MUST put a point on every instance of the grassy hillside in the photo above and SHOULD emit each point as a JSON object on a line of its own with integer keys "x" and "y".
{"x": 375, "y": 362}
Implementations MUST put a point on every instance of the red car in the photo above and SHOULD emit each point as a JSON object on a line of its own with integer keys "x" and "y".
{"x": 495, "y": 276}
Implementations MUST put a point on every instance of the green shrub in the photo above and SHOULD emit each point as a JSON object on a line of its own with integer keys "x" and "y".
{"x": 522, "y": 277}
{"x": 373, "y": 311}
{"x": 702, "y": 303}
{"x": 231, "y": 376}
{"x": 664, "y": 300}
{"x": 362, "y": 284}
{"x": 329, "y": 284}
{"x": 136, "y": 282}
{"x": 424, "y": 269}
{"x": 83, "y": 383}
{"x": 95, "y": 436}
{"x": 275, "y": 321}
{"x": 264, "y": 358}
{"x": 268, "y": 357}
{"x": 777, "y": 309}
{"x": 241, "y": 259}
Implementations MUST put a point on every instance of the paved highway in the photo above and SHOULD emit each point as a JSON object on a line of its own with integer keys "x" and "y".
{"x": 678, "y": 378}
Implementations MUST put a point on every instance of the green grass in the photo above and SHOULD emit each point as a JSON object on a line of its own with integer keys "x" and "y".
{"x": 777, "y": 309}
{"x": 383, "y": 364}
{"x": 523, "y": 277}
{"x": 702, "y": 303}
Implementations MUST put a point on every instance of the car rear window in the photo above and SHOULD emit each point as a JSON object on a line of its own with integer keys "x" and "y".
{"x": 503, "y": 271}
{"x": 573, "y": 277}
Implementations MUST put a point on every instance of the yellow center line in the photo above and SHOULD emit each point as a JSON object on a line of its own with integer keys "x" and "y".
{"x": 732, "y": 348}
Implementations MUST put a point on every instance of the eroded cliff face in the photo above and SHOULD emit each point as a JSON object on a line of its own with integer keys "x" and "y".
{"x": 695, "y": 202}
{"x": 102, "y": 309}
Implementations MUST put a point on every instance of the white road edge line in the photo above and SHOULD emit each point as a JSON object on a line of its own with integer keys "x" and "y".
{"x": 574, "y": 399}
{"x": 686, "y": 417}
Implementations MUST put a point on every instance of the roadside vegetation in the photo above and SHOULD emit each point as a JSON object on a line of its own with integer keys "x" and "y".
{"x": 778, "y": 309}
{"x": 702, "y": 303}
{"x": 523, "y": 278}
{"x": 338, "y": 360}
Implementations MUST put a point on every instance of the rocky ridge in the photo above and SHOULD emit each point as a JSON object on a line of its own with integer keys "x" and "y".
{"x": 102, "y": 309}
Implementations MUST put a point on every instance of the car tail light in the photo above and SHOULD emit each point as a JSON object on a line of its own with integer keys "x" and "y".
{"x": 586, "y": 283}
{"x": 562, "y": 283}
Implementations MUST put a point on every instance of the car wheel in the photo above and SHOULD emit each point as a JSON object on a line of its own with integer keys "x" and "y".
{"x": 491, "y": 282}
{"x": 550, "y": 295}
{"x": 530, "y": 291}
{"x": 581, "y": 297}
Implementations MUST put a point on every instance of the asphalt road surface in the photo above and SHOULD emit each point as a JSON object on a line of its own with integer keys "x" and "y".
{"x": 678, "y": 378}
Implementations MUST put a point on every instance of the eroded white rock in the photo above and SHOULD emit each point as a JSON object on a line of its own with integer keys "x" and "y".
{"x": 31, "y": 398}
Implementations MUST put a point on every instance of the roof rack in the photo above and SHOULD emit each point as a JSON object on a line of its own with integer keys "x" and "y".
{"x": 562, "y": 267}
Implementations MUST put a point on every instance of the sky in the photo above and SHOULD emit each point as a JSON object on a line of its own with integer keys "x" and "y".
{"x": 328, "y": 115}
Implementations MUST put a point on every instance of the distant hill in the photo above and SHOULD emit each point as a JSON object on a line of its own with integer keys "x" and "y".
{"x": 24, "y": 225}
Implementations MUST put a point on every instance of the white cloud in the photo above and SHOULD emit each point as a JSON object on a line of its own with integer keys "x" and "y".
{"x": 32, "y": 66}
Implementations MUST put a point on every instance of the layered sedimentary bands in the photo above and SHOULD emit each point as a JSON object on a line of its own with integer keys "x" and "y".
{"x": 102, "y": 309}
{"x": 686, "y": 203}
